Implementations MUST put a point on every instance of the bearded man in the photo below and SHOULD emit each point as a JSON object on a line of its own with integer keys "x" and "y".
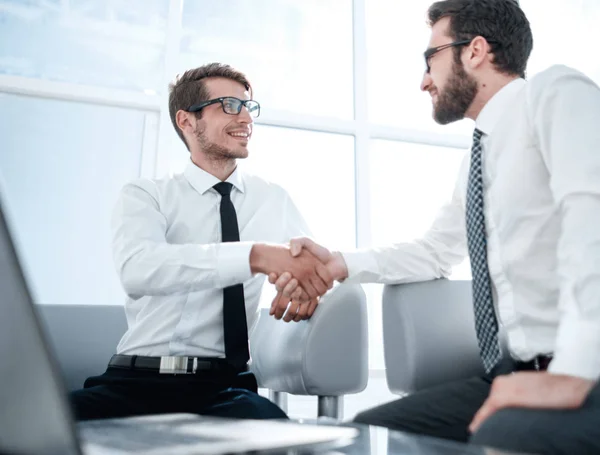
{"x": 526, "y": 210}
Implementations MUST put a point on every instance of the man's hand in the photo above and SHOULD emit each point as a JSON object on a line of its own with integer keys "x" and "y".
{"x": 287, "y": 286}
{"x": 297, "y": 310}
{"x": 334, "y": 262}
{"x": 538, "y": 390}
{"x": 309, "y": 272}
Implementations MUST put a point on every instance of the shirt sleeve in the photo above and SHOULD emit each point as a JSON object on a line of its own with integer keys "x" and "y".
{"x": 565, "y": 108}
{"x": 148, "y": 265}
{"x": 433, "y": 256}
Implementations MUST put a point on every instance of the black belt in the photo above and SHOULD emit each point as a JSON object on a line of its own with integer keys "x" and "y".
{"x": 172, "y": 364}
{"x": 538, "y": 363}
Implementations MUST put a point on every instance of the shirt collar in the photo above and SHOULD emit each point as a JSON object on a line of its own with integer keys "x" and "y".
{"x": 202, "y": 181}
{"x": 492, "y": 111}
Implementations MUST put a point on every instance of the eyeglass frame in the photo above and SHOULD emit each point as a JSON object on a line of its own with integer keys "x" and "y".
{"x": 200, "y": 106}
{"x": 434, "y": 50}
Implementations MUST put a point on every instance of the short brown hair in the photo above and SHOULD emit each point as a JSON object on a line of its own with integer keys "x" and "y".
{"x": 501, "y": 21}
{"x": 190, "y": 88}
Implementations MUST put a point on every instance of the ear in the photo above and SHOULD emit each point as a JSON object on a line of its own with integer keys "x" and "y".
{"x": 477, "y": 53}
{"x": 185, "y": 121}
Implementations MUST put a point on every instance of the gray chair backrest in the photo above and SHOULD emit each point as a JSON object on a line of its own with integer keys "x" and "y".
{"x": 429, "y": 334}
{"x": 325, "y": 355}
{"x": 83, "y": 338}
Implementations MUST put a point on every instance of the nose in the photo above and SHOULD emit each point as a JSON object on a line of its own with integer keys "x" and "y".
{"x": 244, "y": 116}
{"x": 426, "y": 82}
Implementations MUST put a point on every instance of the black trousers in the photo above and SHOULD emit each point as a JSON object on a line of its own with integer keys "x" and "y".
{"x": 123, "y": 392}
{"x": 552, "y": 432}
{"x": 445, "y": 411}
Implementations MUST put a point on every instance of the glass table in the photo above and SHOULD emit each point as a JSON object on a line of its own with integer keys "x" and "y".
{"x": 373, "y": 440}
{"x": 189, "y": 433}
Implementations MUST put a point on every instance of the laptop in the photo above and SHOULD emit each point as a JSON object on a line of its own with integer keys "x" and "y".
{"x": 35, "y": 415}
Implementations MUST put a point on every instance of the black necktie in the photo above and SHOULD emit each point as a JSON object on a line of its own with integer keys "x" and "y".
{"x": 235, "y": 327}
{"x": 486, "y": 324}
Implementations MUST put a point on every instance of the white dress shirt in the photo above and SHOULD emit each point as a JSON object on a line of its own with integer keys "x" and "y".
{"x": 169, "y": 256}
{"x": 541, "y": 175}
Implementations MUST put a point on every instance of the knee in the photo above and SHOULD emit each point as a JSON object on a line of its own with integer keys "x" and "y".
{"x": 262, "y": 408}
{"x": 270, "y": 410}
{"x": 367, "y": 418}
{"x": 394, "y": 415}
{"x": 376, "y": 418}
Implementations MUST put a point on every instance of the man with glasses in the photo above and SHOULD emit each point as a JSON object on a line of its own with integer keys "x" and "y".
{"x": 526, "y": 209}
{"x": 192, "y": 252}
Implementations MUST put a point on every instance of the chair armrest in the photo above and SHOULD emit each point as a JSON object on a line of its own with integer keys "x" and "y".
{"x": 429, "y": 334}
{"x": 325, "y": 355}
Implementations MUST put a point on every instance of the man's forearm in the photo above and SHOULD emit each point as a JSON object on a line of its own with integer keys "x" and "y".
{"x": 165, "y": 269}
{"x": 258, "y": 258}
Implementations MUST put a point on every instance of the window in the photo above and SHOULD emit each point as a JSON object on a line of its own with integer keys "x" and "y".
{"x": 63, "y": 165}
{"x": 397, "y": 36}
{"x": 109, "y": 44}
{"x": 561, "y": 35}
{"x": 298, "y": 55}
{"x": 409, "y": 183}
{"x": 317, "y": 170}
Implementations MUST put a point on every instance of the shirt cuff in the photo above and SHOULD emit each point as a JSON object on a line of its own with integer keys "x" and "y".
{"x": 361, "y": 266}
{"x": 577, "y": 352}
{"x": 233, "y": 263}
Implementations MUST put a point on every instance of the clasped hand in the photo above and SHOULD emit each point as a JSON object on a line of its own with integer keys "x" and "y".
{"x": 300, "y": 288}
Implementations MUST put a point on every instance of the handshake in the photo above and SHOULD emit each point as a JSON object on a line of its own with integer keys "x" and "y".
{"x": 301, "y": 273}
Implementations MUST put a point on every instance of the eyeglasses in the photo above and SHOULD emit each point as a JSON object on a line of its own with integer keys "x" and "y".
{"x": 434, "y": 50}
{"x": 230, "y": 105}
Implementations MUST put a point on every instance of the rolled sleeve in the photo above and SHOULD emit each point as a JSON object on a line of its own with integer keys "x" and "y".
{"x": 233, "y": 263}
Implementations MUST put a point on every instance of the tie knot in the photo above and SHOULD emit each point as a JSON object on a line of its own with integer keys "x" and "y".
{"x": 223, "y": 188}
{"x": 477, "y": 135}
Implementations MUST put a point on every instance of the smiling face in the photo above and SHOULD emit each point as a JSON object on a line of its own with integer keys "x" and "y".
{"x": 452, "y": 90}
{"x": 217, "y": 135}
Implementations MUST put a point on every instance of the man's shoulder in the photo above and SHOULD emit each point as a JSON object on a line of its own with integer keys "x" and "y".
{"x": 555, "y": 74}
{"x": 154, "y": 186}
{"x": 258, "y": 184}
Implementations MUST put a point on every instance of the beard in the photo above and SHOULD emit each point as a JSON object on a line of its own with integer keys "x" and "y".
{"x": 456, "y": 98}
{"x": 214, "y": 151}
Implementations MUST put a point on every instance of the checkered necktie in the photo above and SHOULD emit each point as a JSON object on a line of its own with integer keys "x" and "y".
{"x": 486, "y": 324}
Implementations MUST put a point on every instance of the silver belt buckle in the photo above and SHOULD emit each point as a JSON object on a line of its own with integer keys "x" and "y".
{"x": 173, "y": 365}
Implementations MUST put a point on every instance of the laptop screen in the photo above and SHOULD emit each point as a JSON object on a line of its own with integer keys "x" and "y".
{"x": 34, "y": 414}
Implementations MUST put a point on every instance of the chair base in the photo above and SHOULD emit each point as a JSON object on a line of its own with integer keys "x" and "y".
{"x": 328, "y": 406}
{"x": 331, "y": 406}
{"x": 280, "y": 399}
